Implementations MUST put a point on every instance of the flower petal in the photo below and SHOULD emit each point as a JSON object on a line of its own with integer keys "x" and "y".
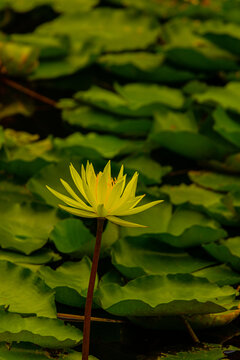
{"x": 131, "y": 187}
{"x": 104, "y": 183}
{"x": 137, "y": 209}
{"x": 77, "y": 212}
{"x": 127, "y": 205}
{"x": 121, "y": 222}
{"x": 101, "y": 211}
{"x": 120, "y": 174}
{"x": 67, "y": 199}
{"x": 115, "y": 193}
{"x": 77, "y": 180}
{"x": 90, "y": 193}
{"x": 74, "y": 195}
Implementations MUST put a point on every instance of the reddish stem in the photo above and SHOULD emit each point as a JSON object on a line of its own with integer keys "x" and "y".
{"x": 88, "y": 306}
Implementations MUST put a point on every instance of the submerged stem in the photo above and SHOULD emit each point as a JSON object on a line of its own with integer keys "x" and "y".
{"x": 88, "y": 306}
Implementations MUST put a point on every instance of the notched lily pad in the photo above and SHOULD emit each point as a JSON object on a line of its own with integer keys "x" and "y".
{"x": 227, "y": 251}
{"x": 22, "y": 291}
{"x": 50, "y": 333}
{"x": 25, "y": 227}
{"x": 70, "y": 281}
{"x": 143, "y": 255}
{"x": 155, "y": 295}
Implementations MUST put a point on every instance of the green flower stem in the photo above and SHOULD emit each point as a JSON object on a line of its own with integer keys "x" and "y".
{"x": 88, "y": 306}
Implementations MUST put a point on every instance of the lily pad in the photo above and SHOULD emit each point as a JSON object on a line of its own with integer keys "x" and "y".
{"x": 58, "y": 5}
{"x": 24, "y": 292}
{"x": 184, "y": 47}
{"x": 133, "y": 99}
{"x": 71, "y": 236}
{"x": 227, "y": 97}
{"x": 51, "y": 333}
{"x": 26, "y": 351}
{"x": 25, "y": 227}
{"x": 40, "y": 257}
{"x": 143, "y": 255}
{"x": 212, "y": 203}
{"x": 70, "y": 281}
{"x": 155, "y": 295}
{"x": 184, "y": 228}
{"x": 92, "y": 119}
{"x": 215, "y": 181}
{"x": 94, "y": 145}
{"x": 143, "y": 66}
{"x": 179, "y": 132}
{"x": 113, "y": 29}
{"x": 227, "y": 251}
{"x": 151, "y": 172}
{"x": 219, "y": 274}
{"x": 226, "y": 126}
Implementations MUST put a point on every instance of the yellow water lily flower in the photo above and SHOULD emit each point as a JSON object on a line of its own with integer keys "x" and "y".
{"x": 101, "y": 196}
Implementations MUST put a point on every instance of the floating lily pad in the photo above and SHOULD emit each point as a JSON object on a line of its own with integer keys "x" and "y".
{"x": 26, "y": 351}
{"x": 58, "y": 5}
{"x": 227, "y": 97}
{"x": 226, "y": 126}
{"x": 25, "y": 154}
{"x": 154, "y": 295}
{"x": 184, "y": 228}
{"x": 219, "y": 274}
{"x": 215, "y": 181}
{"x": 25, "y": 227}
{"x": 212, "y": 203}
{"x": 179, "y": 132}
{"x": 151, "y": 172}
{"x": 17, "y": 59}
{"x": 184, "y": 47}
{"x": 133, "y": 99}
{"x": 143, "y": 255}
{"x": 113, "y": 29}
{"x": 24, "y": 292}
{"x": 71, "y": 236}
{"x": 51, "y": 333}
{"x": 143, "y": 66}
{"x": 40, "y": 257}
{"x": 227, "y": 251}
{"x": 95, "y": 145}
{"x": 92, "y": 119}
{"x": 70, "y": 281}
{"x": 11, "y": 191}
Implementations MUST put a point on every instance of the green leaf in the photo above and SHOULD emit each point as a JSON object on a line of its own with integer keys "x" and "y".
{"x": 226, "y": 126}
{"x": 227, "y": 251}
{"x": 210, "y": 352}
{"x": 154, "y": 295}
{"x": 70, "y": 281}
{"x": 215, "y": 181}
{"x": 151, "y": 172}
{"x": 22, "y": 291}
{"x": 225, "y": 35}
{"x": 183, "y": 228}
{"x": 184, "y": 47}
{"x": 210, "y": 202}
{"x": 58, "y": 5}
{"x": 51, "y": 333}
{"x": 25, "y": 351}
{"x": 219, "y": 274}
{"x": 17, "y": 59}
{"x": 70, "y": 236}
{"x": 92, "y": 119}
{"x": 143, "y": 255}
{"x": 10, "y": 191}
{"x": 133, "y": 99}
{"x": 112, "y": 29}
{"x": 25, "y": 154}
{"x": 227, "y": 97}
{"x": 178, "y": 132}
{"x": 94, "y": 145}
{"x": 42, "y": 256}
{"x": 143, "y": 66}
{"x": 25, "y": 227}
